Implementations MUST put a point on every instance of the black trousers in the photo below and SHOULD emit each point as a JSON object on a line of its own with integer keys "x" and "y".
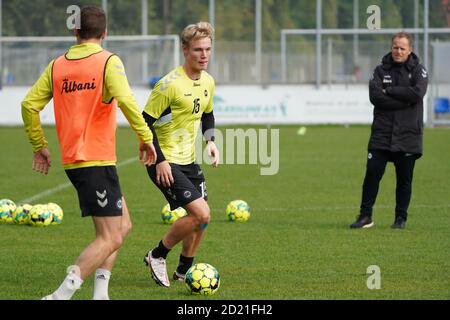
{"x": 376, "y": 165}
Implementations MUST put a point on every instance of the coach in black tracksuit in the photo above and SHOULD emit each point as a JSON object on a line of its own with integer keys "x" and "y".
{"x": 396, "y": 90}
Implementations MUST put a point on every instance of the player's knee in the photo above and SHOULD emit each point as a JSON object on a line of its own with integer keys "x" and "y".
{"x": 126, "y": 228}
{"x": 204, "y": 217}
{"x": 200, "y": 213}
{"x": 115, "y": 242}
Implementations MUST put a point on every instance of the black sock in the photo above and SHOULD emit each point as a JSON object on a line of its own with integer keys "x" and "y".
{"x": 160, "y": 251}
{"x": 184, "y": 264}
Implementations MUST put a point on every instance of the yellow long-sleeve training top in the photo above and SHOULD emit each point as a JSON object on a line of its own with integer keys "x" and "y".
{"x": 115, "y": 86}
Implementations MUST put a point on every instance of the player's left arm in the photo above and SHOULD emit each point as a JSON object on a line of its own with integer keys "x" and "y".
{"x": 208, "y": 125}
{"x": 117, "y": 86}
{"x": 414, "y": 93}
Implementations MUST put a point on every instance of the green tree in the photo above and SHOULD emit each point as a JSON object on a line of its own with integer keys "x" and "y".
{"x": 38, "y": 17}
{"x": 124, "y": 17}
{"x": 235, "y": 19}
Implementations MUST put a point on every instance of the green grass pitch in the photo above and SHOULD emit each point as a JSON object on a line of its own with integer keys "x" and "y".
{"x": 297, "y": 244}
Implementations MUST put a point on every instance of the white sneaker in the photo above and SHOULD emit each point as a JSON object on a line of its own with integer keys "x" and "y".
{"x": 158, "y": 269}
{"x": 49, "y": 297}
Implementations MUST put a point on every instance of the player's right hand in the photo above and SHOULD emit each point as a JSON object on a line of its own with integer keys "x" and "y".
{"x": 147, "y": 153}
{"x": 41, "y": 161}
{"x": 164, "y": 174}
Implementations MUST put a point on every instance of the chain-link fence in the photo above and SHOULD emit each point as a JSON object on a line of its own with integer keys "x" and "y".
{"x": 343, "y": 61}
{"x": 145, "y": 57}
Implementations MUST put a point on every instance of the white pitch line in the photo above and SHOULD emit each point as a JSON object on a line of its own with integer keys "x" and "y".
{"x": 66, "y": 185}
{"x": 46, "y": 193}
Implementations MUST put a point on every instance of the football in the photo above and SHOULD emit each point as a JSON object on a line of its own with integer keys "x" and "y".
{"x": 7, "y": 208}
{"x": 238, "y": 210}
{"x": 56, "y": 212}
{"x": 170, "y": 216}
{"x": 202, "y": 279}
{"x": 22, "y": 214}
{"x": 40, "y": 216}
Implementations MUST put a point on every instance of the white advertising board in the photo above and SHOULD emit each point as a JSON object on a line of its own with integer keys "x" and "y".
{"x": 245, "y": 105}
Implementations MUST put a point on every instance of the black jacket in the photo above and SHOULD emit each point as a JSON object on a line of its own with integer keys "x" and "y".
{"x": 397, "y": 91}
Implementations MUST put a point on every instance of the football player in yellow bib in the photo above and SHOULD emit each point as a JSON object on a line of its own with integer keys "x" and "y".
{"x": 179, "y": 103}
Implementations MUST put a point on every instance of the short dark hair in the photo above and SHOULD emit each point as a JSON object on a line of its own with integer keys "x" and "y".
{"x": 92, "y": 22}
{"x": 403, "y": 35}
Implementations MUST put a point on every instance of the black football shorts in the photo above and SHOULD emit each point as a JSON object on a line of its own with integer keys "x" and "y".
{"x": 189, "y": 184}
{"x": 98, "y": 190}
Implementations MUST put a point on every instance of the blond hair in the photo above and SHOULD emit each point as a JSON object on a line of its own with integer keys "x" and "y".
{"x": 198, "y": 30}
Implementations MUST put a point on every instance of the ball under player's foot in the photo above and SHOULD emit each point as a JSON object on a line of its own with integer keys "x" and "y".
{"x": 158, "y": 269}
